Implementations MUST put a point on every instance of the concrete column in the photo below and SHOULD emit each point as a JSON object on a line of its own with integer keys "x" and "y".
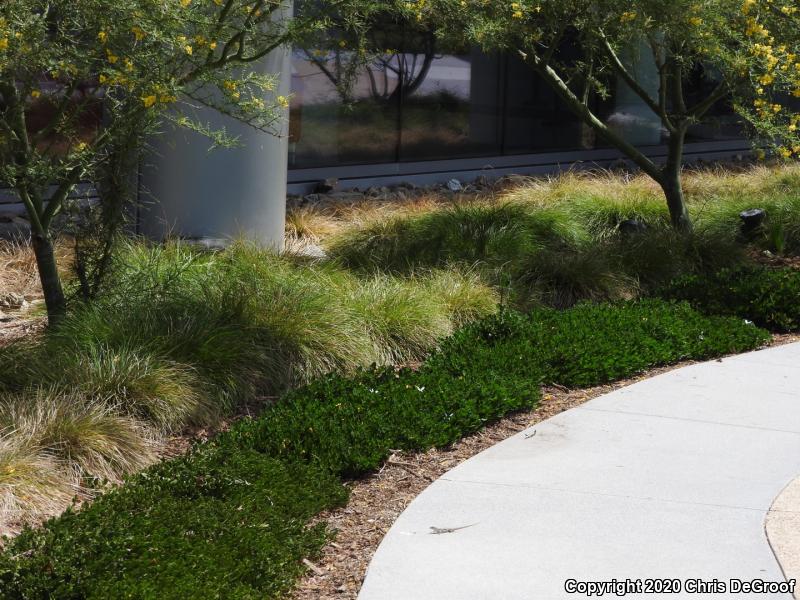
{"x": 227, "y": 193}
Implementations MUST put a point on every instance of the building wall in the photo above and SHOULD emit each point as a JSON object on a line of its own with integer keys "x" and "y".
{"x": 425, "y": 110}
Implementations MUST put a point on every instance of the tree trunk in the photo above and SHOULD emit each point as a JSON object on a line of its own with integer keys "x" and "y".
{"x": 54, "y": 297}
{"x": 676, "y": 202}
{"x": 671, "y": 182}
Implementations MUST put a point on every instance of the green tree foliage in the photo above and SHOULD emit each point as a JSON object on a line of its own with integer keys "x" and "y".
{"x": 717, "y": 40}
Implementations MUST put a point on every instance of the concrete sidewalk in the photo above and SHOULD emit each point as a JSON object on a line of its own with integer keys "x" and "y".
{"x": 670, "y": 478}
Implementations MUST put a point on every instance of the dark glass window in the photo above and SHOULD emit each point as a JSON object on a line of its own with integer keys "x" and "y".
{"x": 721, "y": 122}
{"x": 452, "y": 106}
{"x": 418, "y": 100}
{"x": 536, "y": 120}
{"x": 337, "y": 116}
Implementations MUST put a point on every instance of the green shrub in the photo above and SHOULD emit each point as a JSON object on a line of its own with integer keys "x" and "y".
{"x": 768, "y": 297}
{"x": 214, "y": 524}
{"x": 349, "y": 425}
{"x": 592, "y": 344}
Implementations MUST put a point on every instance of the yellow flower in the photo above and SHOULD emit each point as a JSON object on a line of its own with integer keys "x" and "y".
{"x": 627, "y": 16}
{"x": 149, "y": 101}
{"x": 138, "y": 32}
{"x": 35, "y": 94}
{"x": 213, "y": 45}
{"x": 283, "y": 101}
{"x": 103, "y": 37}
{"x": 112, "y": 58}
{"x": 185, "y": 3}
{"x": 188, "y": 49}
{"x": 3, "y": 43}
{"x": 81, "y": 147}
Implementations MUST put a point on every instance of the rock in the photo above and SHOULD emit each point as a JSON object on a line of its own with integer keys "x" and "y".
{"x": 12, "y": 300}
{"x": 342, "y": 197}
{"x": 512, "y": 181}
{"x": 619, "y": 165}
{"x": 752, "y": 220}
{"x": 326, "y": 185}
{"x": 311, "y": 251}
{"x": 632, "y": 227}
{"x": 406, "y": 185}
{"x": 454, "y": 185}
{"x": 373, "y": 191}
{"x": 481, "y": 182}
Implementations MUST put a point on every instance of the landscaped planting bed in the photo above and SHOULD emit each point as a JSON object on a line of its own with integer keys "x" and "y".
{"x": 228, "y": 520}
{"x": 184, "y": 338}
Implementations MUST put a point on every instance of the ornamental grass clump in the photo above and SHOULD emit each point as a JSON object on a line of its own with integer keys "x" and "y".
{"x": 182, "y": 337}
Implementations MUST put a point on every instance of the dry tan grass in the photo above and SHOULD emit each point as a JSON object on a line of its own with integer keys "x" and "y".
{"x": 34, "y": 485}
{"x": 56, "y": 448}
{"x": 18, "y": 269}
{"x": 18, "y": 272}
{"x": 318, "y": 224}
{"x": 321, "y": 223}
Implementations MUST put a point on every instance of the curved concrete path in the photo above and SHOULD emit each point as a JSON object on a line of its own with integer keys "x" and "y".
{"x": 671, "y": 477}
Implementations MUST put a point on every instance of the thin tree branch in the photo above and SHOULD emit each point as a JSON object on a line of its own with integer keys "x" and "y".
{"x": 582, "y": 111}
{"x": 701, "y": 108}
{"x": 656, "y": 106}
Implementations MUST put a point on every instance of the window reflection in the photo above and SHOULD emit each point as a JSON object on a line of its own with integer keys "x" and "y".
{"x": 336, "y": 117}
{"x": 455, "y": 110}
{"x": 721, "y": 122}
{"x": 416, "y": 100}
